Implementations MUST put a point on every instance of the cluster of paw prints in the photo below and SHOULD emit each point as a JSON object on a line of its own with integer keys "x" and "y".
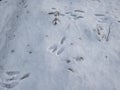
{"x": 76, "y": 14}
{"x": 12, "y": 79}
{"x": 74, "y": 59}
{"x": 56, "y": 50}
{"x": 101, "y": 34}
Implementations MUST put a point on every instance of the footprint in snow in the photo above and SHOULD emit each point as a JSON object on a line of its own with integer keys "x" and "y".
{"x": 63, "y": 40}
{"x": 13, "y": 79}
{"x": 60, "y": 51}
{"x": 53, "y": 48}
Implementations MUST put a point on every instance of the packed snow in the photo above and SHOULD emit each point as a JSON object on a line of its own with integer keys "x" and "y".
{"x": 59, "y": 44}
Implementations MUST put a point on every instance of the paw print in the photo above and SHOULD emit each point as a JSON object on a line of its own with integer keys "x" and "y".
{"x": 73, "y": 62}
{"x": 56, "y": 15}
{"x": 100, "y": 33}
{"x": 55, "y": 49}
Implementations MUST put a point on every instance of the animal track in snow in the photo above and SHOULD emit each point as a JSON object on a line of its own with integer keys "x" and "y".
{"x": 100, "y": 33}
{"x": 13, "y": 79}
{"x": 11, "y": 73}
{"x": 9, "y": 85}
{"x": 68, "y": 61}
{"x": 70, "y": 69}
{"x": 56, "y": 15}
{"x": 78, "y": 58}
{"x": 76, "y": 14}
{"x": 25, "y": 76}
{"x": 62, "y": 40}
{"x": 55, "y": 49}
{"x": 60, "y": 51}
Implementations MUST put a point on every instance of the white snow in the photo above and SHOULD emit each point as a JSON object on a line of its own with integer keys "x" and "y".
{"x": 80, "y": 52}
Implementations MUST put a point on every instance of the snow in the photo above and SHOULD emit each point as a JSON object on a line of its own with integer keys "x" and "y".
{"x": 80, "y": 52}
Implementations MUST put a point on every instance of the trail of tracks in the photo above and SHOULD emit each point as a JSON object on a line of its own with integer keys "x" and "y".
{"x": 13, "y": 9}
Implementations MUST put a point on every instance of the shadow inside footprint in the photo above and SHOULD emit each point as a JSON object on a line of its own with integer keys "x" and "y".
{"x": 53, "y": 48}
{"x": 10, "y": 73}
{"x": 25, "y": 76}
{"x": 62, "y": 40}
{"x": 11, "y": 79}
{"x": 9, "y": 85}
{"x": 60, "y": 51}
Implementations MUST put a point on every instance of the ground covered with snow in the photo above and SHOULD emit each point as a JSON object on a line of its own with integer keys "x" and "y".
{"x": 60, "y": 44}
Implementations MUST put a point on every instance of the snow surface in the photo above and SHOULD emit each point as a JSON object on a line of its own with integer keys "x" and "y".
{"x": 80, "y": 52}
